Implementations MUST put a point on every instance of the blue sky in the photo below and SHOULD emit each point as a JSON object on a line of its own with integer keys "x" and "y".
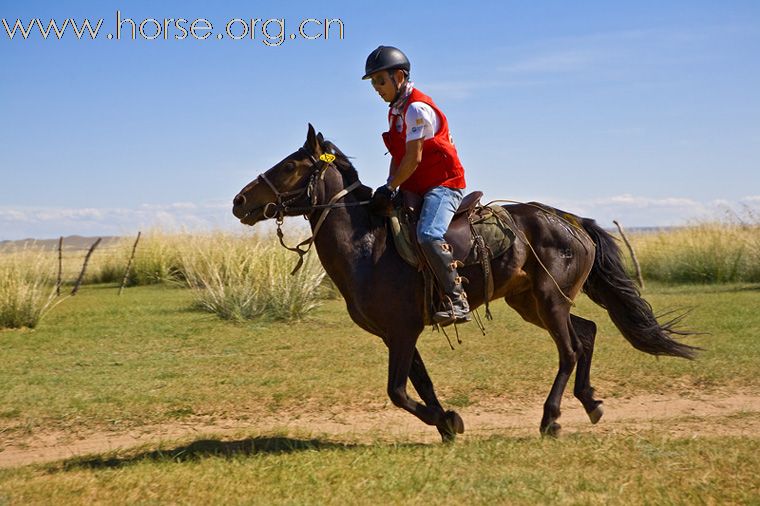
{"x": 645, "y": 112}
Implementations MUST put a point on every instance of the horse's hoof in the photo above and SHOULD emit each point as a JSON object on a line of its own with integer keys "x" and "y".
{"x": 451, "y": 426}
{"x": 551, "y": 430}
{"x": 455, "y": 422}
{"x": 596, "y": 414}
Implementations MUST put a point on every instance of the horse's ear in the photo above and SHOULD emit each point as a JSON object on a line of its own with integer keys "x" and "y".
{"x": 320, "y": 142}
{"x": 312, "y": 142}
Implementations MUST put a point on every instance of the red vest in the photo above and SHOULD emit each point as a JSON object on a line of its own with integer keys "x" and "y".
{"x": 440, "y": 165}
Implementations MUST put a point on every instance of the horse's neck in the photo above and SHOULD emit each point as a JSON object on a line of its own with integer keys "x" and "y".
{"x": 346, "y": 242}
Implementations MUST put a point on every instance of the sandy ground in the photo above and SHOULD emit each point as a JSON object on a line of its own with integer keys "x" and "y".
{"x": 735, "y": 413}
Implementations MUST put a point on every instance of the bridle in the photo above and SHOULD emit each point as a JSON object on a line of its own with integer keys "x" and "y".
{"x": 276, "y": 210}
{"x": 281, "y": 206}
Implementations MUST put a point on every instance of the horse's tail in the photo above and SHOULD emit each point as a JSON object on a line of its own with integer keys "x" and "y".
{"x": 609, "y": 286}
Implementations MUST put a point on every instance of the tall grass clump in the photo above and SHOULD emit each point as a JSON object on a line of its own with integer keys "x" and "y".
{"x": 27, "y": 287}
{"x": 109, "y": 263}
{"x": 247, "y": 278}
{"x": 158, "y": 258}
{"x": 714, "y": 252}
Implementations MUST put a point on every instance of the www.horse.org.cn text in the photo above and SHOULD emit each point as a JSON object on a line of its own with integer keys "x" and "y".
{"x": 270, "y": 32}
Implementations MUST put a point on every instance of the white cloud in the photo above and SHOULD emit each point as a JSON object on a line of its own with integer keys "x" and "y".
{"x": 553, "y": 62}
{"x": 630, "y": 210}
{"x": 641, "y": 211}
{"x": 175, "y": 205}
{"x": 12, "y": 215}
{"x": 601, "y": 55}
{"x": 44, "y": 222}
{"x": 466, "y": 88}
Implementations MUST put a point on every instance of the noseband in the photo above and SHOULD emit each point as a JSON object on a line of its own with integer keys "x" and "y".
{"x": 284, "y": 200}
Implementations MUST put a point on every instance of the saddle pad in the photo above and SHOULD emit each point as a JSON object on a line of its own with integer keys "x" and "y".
{"x": 402, "y": 240}
{"x": 495, "y": 225}
{"x": 492, "y": 222}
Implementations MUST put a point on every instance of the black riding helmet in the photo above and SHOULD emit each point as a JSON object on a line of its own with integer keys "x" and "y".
{"x": 385, "y": 58}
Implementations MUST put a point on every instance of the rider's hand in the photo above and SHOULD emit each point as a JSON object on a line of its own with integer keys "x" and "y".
{"x": 381, "y": 201}
{"x": 384, "y": 191}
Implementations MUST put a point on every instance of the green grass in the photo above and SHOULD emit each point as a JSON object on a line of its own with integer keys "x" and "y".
{"x": 99, "y": 362}
{"x": 102, "y": 361}
{"x": 638, "y": 469}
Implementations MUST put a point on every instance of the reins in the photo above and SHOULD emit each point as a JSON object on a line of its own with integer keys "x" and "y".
{"x": 282, "y": 206}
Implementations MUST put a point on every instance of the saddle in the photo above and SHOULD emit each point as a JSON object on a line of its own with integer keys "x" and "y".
{"x": 477, "y": 234}
{"x": 459, "y": 234}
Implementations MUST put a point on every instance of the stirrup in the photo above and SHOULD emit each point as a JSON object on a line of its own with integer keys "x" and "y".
{"x": 464, "y": 318}
{"x": 444, "y": 318}
{"x": 451, "y": 319}
{"x": 451, "y": 314}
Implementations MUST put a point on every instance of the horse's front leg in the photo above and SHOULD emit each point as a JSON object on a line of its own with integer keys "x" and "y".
{"x": 450, "y": 423}
{"x": 401, "y": 353}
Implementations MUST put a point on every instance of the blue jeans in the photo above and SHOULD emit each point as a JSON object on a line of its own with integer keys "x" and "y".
{"x": 438, "y": 208}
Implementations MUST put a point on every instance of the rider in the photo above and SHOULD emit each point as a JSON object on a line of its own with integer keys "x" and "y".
{"x": 424, "y": 161}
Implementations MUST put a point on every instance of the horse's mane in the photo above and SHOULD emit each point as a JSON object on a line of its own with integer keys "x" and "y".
{"x": 343, "y": 162}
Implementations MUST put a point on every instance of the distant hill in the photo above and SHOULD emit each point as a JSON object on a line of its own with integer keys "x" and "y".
{"x": 72, "y": 242}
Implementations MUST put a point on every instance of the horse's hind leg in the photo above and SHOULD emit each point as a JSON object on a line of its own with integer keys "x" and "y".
{"x": 451, "y": 423}
{"x": 544, "y": 308}
{"x": 585, "y": 330}
{"x": 555, "y": 315}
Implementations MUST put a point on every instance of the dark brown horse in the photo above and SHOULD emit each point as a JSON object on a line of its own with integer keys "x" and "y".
{"x": 555, "y": 257}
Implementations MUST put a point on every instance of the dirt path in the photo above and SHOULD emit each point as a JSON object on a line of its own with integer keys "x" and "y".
{"x": 735, "y": 413}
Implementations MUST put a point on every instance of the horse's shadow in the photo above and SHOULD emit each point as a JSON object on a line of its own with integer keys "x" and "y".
{"x": 203, "y": 448}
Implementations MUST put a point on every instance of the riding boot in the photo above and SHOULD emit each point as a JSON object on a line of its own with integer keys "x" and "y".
{"x": 456, "y": 309}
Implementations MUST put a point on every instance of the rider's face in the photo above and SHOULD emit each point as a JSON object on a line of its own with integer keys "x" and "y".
{"x": 384, "y": 85}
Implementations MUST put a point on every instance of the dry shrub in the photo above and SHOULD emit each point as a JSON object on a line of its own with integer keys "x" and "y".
{"x": 157, "y": 260}
{"x": 242, "y": 278}
{"x": 725, "y": 251}
{"x": 27, "y": 287}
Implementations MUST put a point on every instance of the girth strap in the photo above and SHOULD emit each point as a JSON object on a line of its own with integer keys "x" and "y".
{"x": 485, "y": 263}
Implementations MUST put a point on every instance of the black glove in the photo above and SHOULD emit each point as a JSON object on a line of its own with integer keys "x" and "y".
{"x": 384, "y": 192}
{"x": 381, "y": 201}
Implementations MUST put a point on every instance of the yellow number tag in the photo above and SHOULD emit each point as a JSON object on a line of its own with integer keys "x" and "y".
{"x": 327, "y": 157}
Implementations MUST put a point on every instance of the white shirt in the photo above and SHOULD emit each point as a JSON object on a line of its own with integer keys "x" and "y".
{"x": 421, "y": 122}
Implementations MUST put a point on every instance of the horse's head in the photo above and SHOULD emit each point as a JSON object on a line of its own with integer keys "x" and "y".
{"x": 284, "y": 189}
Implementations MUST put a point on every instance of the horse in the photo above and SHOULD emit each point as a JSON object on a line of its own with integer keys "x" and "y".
{"x": 555, "y": 257}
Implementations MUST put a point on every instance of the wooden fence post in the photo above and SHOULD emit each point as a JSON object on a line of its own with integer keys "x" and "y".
{"x": 129, "y": 264}
{"x": 59, "y": 280}
{"x": 84, "y": 267}
{"x": 633, "y": 254}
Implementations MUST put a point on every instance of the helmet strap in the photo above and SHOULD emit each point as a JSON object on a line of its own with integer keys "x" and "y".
{"x": 399, "y": 88}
